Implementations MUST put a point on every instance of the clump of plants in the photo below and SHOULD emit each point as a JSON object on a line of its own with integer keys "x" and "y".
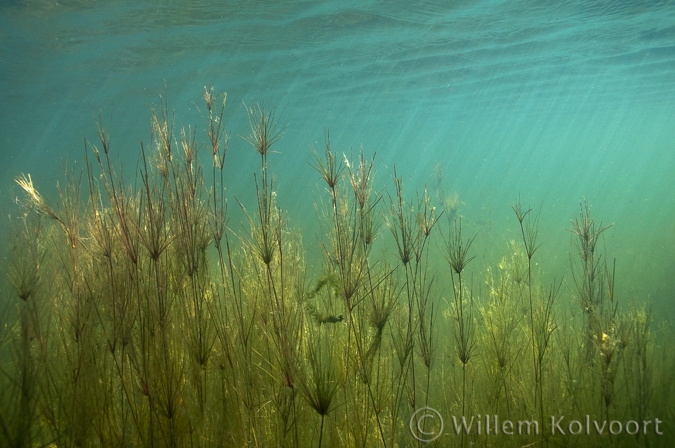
{"x": 134, "y": 315}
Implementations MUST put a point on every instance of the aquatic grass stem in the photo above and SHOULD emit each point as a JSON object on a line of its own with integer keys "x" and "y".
{"x": 529, "y": 231}
{"x": 457, "y": 250}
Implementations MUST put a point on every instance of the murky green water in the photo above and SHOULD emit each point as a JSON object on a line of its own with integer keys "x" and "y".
{"x": 481, "y": 102}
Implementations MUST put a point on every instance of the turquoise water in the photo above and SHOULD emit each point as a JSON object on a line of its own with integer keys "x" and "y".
{"x": 553, "y": 102}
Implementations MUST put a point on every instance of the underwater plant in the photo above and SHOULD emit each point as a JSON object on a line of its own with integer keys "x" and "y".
{"x": 135, "y": 315}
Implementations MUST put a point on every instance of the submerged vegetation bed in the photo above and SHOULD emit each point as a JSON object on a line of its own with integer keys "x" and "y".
{"x": 143, "y": 320}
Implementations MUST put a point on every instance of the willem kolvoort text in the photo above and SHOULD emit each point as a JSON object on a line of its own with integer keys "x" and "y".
{"x": 558, "y": 425}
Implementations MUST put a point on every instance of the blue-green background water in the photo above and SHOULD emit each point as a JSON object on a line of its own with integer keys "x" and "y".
{"x": 552, "y": 101}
